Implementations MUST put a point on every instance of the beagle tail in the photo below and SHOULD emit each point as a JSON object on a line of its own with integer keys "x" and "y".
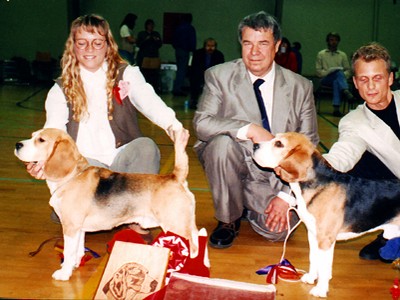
{"x": 181, "y": 169}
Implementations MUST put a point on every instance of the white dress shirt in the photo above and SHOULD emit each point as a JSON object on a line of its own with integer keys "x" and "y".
{"x": 267, "y": 92}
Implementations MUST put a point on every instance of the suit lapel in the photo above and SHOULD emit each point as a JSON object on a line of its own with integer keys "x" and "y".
{"x": 244, "y": 92}
{"x": 248, "y": 102}
{"x": 383, "y": 134}
{"x": 282, "y": 103}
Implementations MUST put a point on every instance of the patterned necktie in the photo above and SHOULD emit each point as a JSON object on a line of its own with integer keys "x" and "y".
{"x": 260, "y": 101}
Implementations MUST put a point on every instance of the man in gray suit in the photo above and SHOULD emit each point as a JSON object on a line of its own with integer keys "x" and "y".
{"x": 231, "y": 117}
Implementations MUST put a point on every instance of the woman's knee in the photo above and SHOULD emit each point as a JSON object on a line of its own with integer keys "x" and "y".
{"x": 147, "y": 148}
{"x": 139, "y": 156}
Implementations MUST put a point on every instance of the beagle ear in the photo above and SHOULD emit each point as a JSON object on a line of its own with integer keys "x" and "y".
{"x": 293, "y": 168}
{"x": 62, "y": 161}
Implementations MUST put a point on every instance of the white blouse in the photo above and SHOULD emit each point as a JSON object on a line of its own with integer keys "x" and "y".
{"x": 95, "y": 138}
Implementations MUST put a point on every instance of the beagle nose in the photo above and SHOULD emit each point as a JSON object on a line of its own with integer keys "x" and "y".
{"x": 256, "y": 146}
{"x": 18, "y": 145}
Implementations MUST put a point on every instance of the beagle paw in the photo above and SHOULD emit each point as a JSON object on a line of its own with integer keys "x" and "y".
{"x": 308, "y": 278}
{"x": 62, "y": 274}
{"x": 318, "y": 291}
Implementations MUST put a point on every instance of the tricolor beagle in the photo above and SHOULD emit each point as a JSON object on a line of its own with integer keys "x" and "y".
{"x": 88, "y": 198}
{"x": 332, "y": 205}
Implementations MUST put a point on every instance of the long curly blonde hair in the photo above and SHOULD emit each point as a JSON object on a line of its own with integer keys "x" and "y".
{"x": 71, "y": 79}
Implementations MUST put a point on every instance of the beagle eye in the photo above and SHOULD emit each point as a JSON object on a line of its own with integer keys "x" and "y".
{"x": 278, "y": 144}
{"x": 41, "y": 140}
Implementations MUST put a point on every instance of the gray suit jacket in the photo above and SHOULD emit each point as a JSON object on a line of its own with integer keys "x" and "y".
{"x": 228, "y": 103}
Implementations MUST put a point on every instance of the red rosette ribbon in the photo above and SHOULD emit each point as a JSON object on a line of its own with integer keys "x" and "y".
{"x": 179, "y": 248}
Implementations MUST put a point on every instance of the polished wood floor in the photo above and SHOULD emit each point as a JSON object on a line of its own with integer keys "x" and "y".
{"x": 25, "y": 222}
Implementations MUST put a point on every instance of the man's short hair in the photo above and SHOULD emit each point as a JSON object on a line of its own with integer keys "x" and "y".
{"x": 370, "y": 52}
{"x": 210, "y": 39}
{"x": 333, "y": 34}
{"x": 261, "y": 20}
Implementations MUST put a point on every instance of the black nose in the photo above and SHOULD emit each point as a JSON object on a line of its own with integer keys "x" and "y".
{"x": 256, "y": 146}
{"x": 18, "y": 145}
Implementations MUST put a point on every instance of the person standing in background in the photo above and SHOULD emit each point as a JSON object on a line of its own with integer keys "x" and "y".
{"x": 296, "y": 49}
{"x": 127, "y": 47}
{"x": 184, "y": 42}
{"x": 203, "y": 58}
{"x": 148, "y": 58}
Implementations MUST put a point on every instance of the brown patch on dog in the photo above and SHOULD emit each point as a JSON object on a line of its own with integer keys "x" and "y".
{"x": 329, "y": 224}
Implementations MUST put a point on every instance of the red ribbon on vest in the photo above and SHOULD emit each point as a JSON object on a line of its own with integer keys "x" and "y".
{"x": 116, "y": 94}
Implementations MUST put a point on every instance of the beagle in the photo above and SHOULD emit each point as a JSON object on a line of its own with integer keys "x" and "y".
{"x": 332, "y": 205}
{"x": 88, "y": 198}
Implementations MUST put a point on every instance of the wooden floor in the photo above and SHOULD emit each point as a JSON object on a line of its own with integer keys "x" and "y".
{"x": 25, "y": 222}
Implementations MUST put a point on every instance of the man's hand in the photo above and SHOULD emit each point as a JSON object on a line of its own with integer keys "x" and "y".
{"x": 258, "y": 134}
{"x": 36, "y": 169}
{"x": 277, "y": 215}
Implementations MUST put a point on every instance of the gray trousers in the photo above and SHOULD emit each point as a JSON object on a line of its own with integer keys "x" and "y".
{"x": 138, "y": 156}
{"x": 236, "y": 183}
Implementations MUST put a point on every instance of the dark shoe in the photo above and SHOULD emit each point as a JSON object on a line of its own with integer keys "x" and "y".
{"x": 54, "y": 218}
{"x": 244, "y": 215}
{"x": 371, "y": 251}
{"x": 337, "y": 113}
{"x": 224, "y": 234}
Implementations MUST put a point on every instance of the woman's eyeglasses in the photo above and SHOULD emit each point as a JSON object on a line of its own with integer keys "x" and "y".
{"x": 96, "y": 44}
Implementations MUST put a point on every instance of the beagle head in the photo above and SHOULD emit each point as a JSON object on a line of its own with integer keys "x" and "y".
{"x": 289, "y": 154}
{"x": 55, "y": 148}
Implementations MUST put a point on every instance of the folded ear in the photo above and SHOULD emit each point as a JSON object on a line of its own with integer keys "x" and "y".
{"x": 293, "y": 168}
{"x": 62, "y": 161}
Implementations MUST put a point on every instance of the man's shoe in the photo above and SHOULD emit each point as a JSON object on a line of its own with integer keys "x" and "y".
{"x": 337, "y": 113}
{"x": 371, "y": 251}
{"x": 224, "y": 234}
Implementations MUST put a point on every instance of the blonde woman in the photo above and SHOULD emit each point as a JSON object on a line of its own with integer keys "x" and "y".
{"x": 96, "y": 98}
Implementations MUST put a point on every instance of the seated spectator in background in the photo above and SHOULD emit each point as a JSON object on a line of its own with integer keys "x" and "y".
{"x": 332, "y": 66}
{"x": 285, "y": 57}
{"x": 299, "y": 57}
{"x": 203, "y": 59}
{"x": 369, "y": 136}
{"x": 127, "y": 44}
{"x": 148, "y": 57}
